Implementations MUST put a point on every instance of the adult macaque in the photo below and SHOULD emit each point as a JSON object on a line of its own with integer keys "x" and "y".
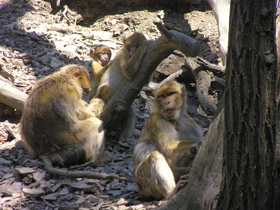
{"x": 101, "y": 56}
{"x": 56, "y": 125}
{"x": 168, "y": 144}
{"x": 124, "y": 66}
{"x": 120, "y": 71}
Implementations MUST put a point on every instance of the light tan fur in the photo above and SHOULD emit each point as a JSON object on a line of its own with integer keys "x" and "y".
{"x": 56, "y": 122}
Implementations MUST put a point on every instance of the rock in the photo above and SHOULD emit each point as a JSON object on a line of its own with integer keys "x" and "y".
{"x": 25, "y": 170}
{"x": 33, "y": 192}
{"x": 56, "y": 64}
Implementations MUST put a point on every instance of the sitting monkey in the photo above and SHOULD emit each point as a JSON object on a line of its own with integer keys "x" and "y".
{"x": 168, "y": 144}
{"x": 56, "y": 124}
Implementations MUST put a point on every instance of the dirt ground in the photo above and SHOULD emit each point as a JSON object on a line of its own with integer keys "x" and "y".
{"x": 35, "y": 43}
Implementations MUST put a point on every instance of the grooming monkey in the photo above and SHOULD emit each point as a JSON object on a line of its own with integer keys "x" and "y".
{"x": 101, "y": 56}
{"x": 168, "y": 144}
{"x": 56, "y": 125}
{"x": 121, "y": 71}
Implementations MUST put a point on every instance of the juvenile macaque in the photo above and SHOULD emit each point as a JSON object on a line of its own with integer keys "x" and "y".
{"x": 168, "y": 144}
{"x": 101, "y": 56}
{"x": 124, "y": 66}
{"x": 56, "y": 125}
{"x": 96, "y": 106}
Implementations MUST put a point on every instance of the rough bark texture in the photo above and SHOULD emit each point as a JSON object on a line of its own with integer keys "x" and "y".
{"x": 250, "y": 108}
{"x": 202, "y": 89}
{"x": 205, "y": 175}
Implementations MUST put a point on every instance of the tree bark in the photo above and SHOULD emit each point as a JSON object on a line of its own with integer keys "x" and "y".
{"x": 250, "y": 122}
{"x": 250, "y": 108}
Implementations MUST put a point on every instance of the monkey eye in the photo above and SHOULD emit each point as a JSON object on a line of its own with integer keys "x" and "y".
{"x": 171, "y": 93}
{"x": 161, "y": 96}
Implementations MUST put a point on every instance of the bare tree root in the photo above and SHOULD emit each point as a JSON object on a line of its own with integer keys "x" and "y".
{"x": 199, "y": 67}
{"x": 78, "y": 174}
{"x": 202, "y": 87}
{"x": 216, "y": 69}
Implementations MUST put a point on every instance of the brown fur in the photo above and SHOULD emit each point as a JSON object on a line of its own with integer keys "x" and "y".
{"x": 101, "y": 56}
{"x": 124, "y": 66}
{"x": 169, "y": 142}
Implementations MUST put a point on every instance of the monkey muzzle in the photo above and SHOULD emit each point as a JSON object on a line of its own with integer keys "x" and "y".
{"x": 170, "y": 113}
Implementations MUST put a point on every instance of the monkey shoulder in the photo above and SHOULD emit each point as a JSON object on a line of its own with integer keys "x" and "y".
{"x": 189, "y": 129}
{"x": 95, "y": 65}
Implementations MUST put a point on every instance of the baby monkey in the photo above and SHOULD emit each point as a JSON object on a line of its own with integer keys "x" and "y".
{"x": 168, "y": 144}
{"x": 101, "y": 55}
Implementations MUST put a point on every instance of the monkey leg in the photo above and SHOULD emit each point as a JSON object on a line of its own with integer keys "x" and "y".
{"x": 91, "y": 135}
{"x": 67, "y": 156}
{"x": 128, "y": 126}
{"x": 154, "y": 177}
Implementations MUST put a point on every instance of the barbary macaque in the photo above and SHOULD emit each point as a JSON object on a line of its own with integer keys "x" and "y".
{"x": 101, "y": 55}
{"x": 168, "y": 144}
{"x": 124, "y": 66}
{"x": 122, "y": 70}
{"x": 56, "y": 125}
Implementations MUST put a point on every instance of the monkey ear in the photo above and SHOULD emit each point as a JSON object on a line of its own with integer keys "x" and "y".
{"x": 77, "y": 73}
{"x": 91, "y": 52}
{"x": 124, "y": 39}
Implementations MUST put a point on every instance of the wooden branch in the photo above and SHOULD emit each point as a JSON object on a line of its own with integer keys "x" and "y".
{"x": 183, "y": 42}
{"x": 202, "y": 87}
{"x": 191, "y": 64}
{"x": 203, "y": 81}
{"x": 11, "y": 96}
{"x": 157, "y": 50}
{"x": 216, "y": 69}
{"x": 79, "y": 174}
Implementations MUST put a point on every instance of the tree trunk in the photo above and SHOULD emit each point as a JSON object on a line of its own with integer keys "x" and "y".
{"x": 250, "y": 108}
{"x": 250, "y": 122}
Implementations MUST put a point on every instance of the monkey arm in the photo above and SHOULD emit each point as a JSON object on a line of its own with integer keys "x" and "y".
{"x": 180, "y": 153}
{"x": 135, "y": 61}
{"x": 100, "y": 72}
{"x": 83, "y": 112}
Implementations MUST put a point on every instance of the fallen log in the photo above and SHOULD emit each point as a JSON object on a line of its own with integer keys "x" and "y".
{"x": 11, "y": 96}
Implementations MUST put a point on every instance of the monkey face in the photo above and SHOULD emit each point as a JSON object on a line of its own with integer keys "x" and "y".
{"x": 169, "y": 106}
{"x": 104, "y": 58}
{"x": 84, "y": 81}
{"x": 134, "y": 41}
{"x": 101, "y": 54}
{"x": 169, "y": 100}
